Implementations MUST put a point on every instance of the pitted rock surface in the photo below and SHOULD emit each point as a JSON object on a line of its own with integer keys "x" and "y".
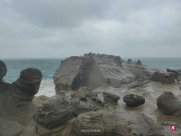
{"x": 57, "y": 111}
{"x": 133, "y": 100}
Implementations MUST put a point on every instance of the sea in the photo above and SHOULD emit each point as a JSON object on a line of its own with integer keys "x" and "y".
{"x": 49, "y": 66}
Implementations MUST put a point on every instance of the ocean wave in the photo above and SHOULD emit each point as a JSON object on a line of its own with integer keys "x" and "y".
{"x": 46, "y": 88}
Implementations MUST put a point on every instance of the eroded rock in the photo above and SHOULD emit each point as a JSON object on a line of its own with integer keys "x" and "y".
{"x": 168, "y": 77}
{"x": 106, "y": 123}
{"x": 133, "y": 100}
{"x": 110, "y": 98}
{"x": 168, "y": 104}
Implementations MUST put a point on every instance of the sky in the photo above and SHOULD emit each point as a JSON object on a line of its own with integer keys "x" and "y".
{"x": 63, "y": 28}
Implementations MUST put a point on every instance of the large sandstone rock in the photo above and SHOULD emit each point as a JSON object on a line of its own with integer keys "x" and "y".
{"x": 94, "y": 70}
{"x": 168, "y": 104}
{"x": 106, "y": 123}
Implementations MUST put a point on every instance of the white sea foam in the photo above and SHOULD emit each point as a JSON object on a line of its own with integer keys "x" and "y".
{"x": 46, "y": 88}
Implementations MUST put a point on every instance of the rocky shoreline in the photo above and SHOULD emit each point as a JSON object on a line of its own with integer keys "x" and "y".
{"x": 96, "y": 95}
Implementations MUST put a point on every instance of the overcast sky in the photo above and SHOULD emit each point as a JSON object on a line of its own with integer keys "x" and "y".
{"x": 62, "y": 28}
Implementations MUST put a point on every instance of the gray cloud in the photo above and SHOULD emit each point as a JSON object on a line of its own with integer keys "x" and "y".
{"x": 61, "y": 28}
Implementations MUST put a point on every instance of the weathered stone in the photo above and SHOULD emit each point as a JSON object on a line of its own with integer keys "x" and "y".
{"x": 168, "y": 104}
{"x": 29, "y": 82}
{"x": 56, "y": 112}
{"x": 168, "y": 77}
{"x": 96, "y": 70}
{"x": 3, "y": 69}
{"x": 106, "y": 123}
{"x": 16, "y": 98}
{"x": 133, "y": 100}
{"x": 109, "y": 97}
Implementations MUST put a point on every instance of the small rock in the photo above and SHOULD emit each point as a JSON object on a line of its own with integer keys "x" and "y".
{"x": 133, "y": 100}
{"x": 168, "y": 104}
{"x": 109, "y": 97}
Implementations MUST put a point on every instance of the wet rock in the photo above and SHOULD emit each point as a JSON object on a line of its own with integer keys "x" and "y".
{"x": 3, "y": 69}
{"x": 168, "y": 77}
{"x": 110, "y": 98}
{"x": 168, "y": 104}
{"x": 133, "y": 100}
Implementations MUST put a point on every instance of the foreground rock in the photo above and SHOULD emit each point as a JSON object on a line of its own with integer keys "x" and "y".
{"x": 106, "y": 123}
{"x": 56, "y": 112}
{"x": 168, "y": 104}
{"x": 94, "y": 70}
{"x": 133, "y": 100}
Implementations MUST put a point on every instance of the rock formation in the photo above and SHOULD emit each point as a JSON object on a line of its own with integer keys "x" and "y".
{"x": 106, "y": 123}
{"x": 56, "y": 112}
{"x": 168, "y": 104}
{"x": 167, "y": 77}
{"x": 133, "y": 100}
{"x": 16, "y": 98}
{"x": 94, "y": 70}
{"x": 110, "y": 98}
{"x": 3, "y": 70}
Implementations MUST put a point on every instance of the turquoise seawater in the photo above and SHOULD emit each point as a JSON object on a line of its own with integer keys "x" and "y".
{"x": 49, "y": 66}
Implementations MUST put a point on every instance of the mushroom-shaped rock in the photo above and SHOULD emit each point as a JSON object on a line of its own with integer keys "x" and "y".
{"x": 168, "y": 104}
{"x": 3, "y": 69}
{"x": 133, "y": 100}
{"x": 109, "y": 97}
{"x": 28, "y": 82}
{"x": 16, "y": 98}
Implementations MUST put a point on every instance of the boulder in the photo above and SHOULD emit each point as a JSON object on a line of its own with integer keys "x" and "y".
{"x": 133, "y": 100}
{"x": 95, "y": 70}
{"x": 56, "y": 112}
{"x": 168, "y": 77}
{"x": 168, "y": 104}
{"x": 110, "y": 98}
{"x": 113, "y": 123}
